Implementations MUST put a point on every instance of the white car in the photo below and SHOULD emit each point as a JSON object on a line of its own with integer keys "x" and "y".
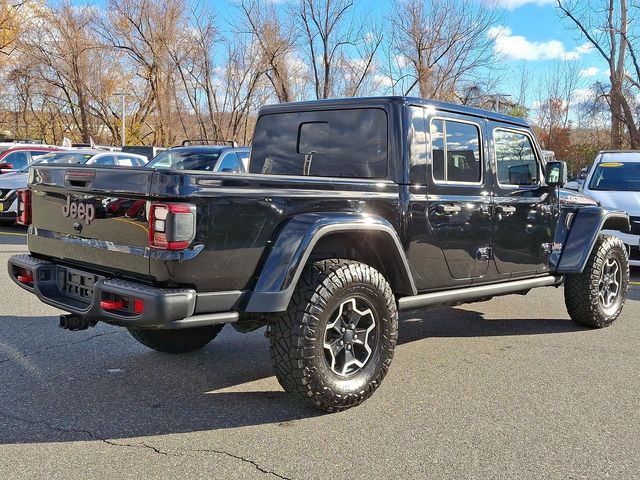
{"x": 614, "y": 181}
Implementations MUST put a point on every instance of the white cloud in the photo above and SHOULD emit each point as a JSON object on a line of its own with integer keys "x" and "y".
{"x": 518, "y": 47}
{"x": 582, "y": 95}
{"x": 513, "y": 4}
{"x": 590, "y": 71}
{"x": 382, "y": 81}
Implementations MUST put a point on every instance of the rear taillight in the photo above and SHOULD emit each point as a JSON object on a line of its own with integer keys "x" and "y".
{"x": 24, "y": 207}
{"x": 172, "y": 226}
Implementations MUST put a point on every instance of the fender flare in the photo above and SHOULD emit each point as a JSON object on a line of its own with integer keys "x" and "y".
{"x": 586, "y": 225}
{"x": 293, "y": 246}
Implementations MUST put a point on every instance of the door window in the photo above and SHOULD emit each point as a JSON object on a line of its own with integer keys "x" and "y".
{"x": 455, "y": 150}
{"x": 17, "y": 160}
{"x": 515, "y": 158}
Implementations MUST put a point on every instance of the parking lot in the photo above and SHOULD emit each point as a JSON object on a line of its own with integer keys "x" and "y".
{"x": 510, "y": 388}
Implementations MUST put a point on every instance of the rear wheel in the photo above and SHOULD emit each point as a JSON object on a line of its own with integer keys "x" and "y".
{"x": 334, "y": 344}
{"x": 175, "y": 341}
{"x": 595, "y": 297}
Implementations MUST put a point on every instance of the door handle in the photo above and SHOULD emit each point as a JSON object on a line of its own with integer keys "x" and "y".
{"x": 505, "y": 209}
{"x": 443, "y": 209}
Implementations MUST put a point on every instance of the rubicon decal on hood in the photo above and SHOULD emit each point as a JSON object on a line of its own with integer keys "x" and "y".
{"x": 79, "y": 210}
{"x": 570, "y": 197}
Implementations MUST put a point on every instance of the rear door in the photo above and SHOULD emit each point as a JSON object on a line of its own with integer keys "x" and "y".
{"x": 92, "y": 216}
{"x": 458, "y": 194}
{"x": 525, "y": 211}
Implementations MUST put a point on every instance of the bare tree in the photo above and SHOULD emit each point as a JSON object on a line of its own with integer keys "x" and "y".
{"x": 146, "y": 31}
{"x": 437, "y": 44}
{"x": 556, "y": 101}
{"x": 275, "y": 40}
{"x": 339, "y": 47}
{"x": 607, "y": 26}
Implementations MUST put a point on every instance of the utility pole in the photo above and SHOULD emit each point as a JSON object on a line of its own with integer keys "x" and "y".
{"x": 496, "y": 100}
{"x": 122, "y": 95}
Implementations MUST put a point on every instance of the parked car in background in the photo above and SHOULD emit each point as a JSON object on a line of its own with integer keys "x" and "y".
{"x": 210, "y": 158}
{"x": 96, "y": 157}
{"x": 579, "y": 180}
{"x": 14, "y": 157}
{"x": 614, "y": 181}
{"x": 10, "y": 183}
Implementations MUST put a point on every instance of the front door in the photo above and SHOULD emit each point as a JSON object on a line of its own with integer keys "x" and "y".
{"x": 459, "y": 200}
{"x": 525, "y": 209}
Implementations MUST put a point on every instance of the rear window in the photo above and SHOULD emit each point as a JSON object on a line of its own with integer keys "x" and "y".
{"x": 185, "y": 160}
{"x": 333, "y": 143}
{"x": 66, "y": 157}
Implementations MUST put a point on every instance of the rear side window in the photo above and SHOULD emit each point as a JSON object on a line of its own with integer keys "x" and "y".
{"x": 229, "y": 163}
{"x": 103, "y": 160}
{"x": 455, "y": 148}
{"x": 332, "y": 143}
{"x": 129, "y": 161}
{"x": 515, "y": 158}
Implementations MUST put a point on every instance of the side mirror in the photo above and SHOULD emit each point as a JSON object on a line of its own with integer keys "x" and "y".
{"x": 556, "y": 174}
{"x": 6, "y": 166}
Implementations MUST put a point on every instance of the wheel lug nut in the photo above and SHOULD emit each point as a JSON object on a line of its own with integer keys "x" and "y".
{"x": 352, "y": 326}
{"x": 355, "y": 337}
{"x": 348, "y": 347}
{"x": 343, "y": 329}
{"x": 341, "y": 342}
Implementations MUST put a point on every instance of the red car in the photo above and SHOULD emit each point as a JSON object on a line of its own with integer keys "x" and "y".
{"x": 13, "y": 158}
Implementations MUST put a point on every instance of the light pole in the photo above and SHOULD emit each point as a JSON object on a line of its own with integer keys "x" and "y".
{"x": 496, "y": 100}
{"x": 122, "y": 95}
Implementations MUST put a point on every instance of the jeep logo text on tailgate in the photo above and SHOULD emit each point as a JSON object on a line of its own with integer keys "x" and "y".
{"x": 80, "y": 210}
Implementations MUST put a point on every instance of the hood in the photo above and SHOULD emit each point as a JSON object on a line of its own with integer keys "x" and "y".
{"x": 12, "y": 181}
{"x": 627, "y": 201}
{"x": 571, "y": 197}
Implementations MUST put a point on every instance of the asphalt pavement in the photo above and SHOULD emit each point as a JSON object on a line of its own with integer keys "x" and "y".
{"x": 509, "y": 388}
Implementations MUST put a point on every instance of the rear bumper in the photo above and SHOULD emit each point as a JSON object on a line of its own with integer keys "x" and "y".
{"x": 163, "y": 307}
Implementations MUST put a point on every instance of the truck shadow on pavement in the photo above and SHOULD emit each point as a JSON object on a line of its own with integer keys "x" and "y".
{"x": 100, "y": 384}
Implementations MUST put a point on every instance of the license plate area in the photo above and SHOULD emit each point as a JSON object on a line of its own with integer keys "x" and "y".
{"x": 76, "y": 284}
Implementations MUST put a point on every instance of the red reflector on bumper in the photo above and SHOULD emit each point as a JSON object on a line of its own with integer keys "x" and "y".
{"x": 111, "y": 304}
{"x": 25, "y": 278}
{"x": 138, "y": 305}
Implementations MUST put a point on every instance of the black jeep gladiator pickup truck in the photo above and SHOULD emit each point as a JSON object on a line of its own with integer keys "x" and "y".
{"x": 352, "y": 210}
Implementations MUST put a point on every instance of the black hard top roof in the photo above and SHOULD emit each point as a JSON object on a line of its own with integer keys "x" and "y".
{"x": 362, "y": 101}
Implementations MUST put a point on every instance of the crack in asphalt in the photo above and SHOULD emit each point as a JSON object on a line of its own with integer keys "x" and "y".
{"x": 143, "y": 445}
{"x": 51, "y": 347}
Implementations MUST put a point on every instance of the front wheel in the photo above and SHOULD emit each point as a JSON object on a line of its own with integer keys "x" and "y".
{"x": 595, "y": 297}
{"x": 334, "y": 344}
{"x": 175, "y": 341}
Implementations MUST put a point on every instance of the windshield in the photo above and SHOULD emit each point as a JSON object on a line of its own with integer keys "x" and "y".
{"x": 65, "y": 157}
{"x": 616, "y": 176}
{"x": 185, "y": 160}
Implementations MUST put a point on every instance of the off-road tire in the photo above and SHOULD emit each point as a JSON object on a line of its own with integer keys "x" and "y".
{"x": 581, "y": 290}
{"x": 297, "y": 335}
{"x": 175, "y": 341}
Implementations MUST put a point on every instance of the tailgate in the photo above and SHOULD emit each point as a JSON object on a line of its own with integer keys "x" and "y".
{"x": 91, "y": 216}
